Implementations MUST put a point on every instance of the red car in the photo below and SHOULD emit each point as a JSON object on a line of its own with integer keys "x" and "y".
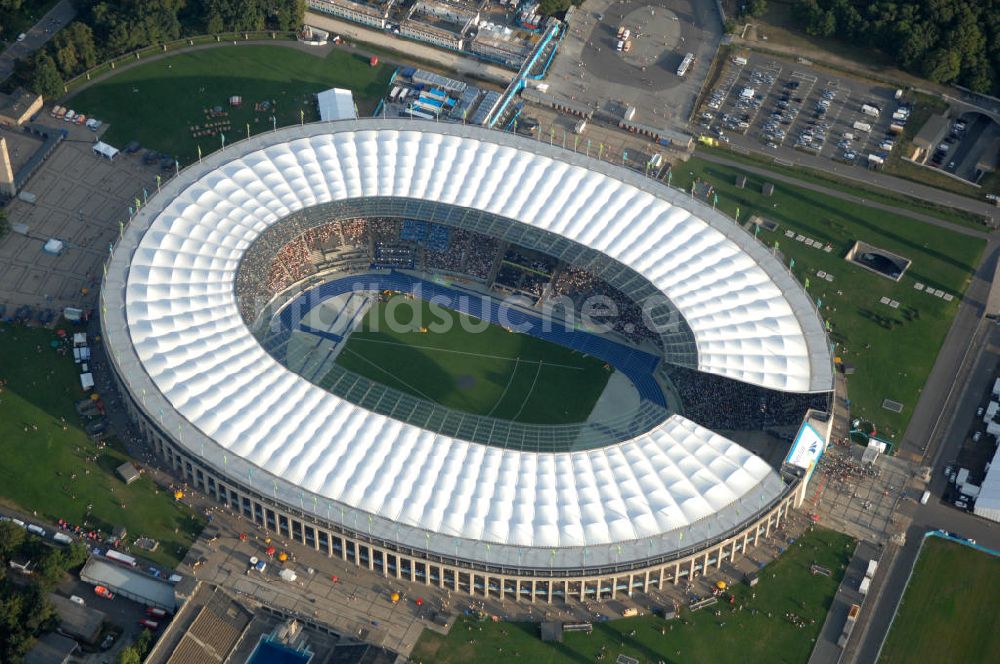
{"x": 149, "y": 624}
{"x": 104, "y": 592}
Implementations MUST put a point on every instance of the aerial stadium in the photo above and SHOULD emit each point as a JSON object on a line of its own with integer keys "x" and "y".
{"x": 378, "y": 338}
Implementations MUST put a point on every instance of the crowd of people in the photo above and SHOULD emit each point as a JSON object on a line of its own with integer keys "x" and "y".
{"x": 721, "y": 403}
{"x": 291, "y": 251}
{"x": 578, "y": 285}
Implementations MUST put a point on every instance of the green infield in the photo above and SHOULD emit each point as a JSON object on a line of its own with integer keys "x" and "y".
{"x": 945, "y": 612}
{"x": 756, "y": 628}
{"x": 51, "y": 468}
{"x": 158, "y": 103}
{"x": 891, "y": 349}
{"x": 462, "y": 363}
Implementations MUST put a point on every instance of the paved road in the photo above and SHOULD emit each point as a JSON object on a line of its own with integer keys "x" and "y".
{"x": 36, "y": 37}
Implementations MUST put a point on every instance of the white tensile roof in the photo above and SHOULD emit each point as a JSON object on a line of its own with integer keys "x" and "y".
{"x": 187, "y": 350}
{"x": 988, "y": 502}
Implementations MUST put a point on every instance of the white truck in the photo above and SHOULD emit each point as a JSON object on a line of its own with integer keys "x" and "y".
{"x": 862, "y": 126}
{"x": 870, "y": 110}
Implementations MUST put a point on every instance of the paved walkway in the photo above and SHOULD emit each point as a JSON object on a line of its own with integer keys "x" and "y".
{"x": 36, "y": 36}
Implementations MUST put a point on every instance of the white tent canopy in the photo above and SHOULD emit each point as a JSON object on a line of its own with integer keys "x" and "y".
{"x": 104, "y": 150}
{"x": 336, "y": 104}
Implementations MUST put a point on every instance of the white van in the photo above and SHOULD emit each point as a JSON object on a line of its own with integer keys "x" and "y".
{"x": 924, "y": 498}
{"x": 740, "y": 62}
{"x": 76, "y": 599}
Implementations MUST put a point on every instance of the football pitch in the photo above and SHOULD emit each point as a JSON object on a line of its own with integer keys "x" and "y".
{"x": 461, "y": 362}
{"x": 944, "y": 613}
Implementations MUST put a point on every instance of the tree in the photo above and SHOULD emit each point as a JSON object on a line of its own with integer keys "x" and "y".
{"x": 942, "y": 65}
{"x": 755, "y": 8}
{"x": 45, "y": 79}
{"x": 128, "y": 655}
{"x": 11, "y": 536}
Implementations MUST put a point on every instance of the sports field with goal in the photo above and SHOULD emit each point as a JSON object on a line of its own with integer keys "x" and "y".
{"x": 463, "y": 363}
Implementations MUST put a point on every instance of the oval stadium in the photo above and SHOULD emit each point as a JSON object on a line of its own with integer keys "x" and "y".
{"x": 468, "y": 359}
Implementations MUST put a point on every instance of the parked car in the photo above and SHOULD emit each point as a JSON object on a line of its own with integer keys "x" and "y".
{"x": 101, "y": 591}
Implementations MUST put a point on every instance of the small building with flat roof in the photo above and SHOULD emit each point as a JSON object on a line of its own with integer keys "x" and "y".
{"x": 77, "y": 620}
{"x": 928, "y": 137}
{"x": 17, "y": 107}
{"x": 51, "y": 648}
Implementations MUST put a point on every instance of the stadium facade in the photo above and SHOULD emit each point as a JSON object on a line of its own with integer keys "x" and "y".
{"x": 429, "y": 498}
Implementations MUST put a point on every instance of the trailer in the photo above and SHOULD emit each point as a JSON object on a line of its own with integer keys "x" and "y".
{"x": 862, "y": 126}
{"x": 865, "y": 585}
{"x": 415, "y": 113}
{"x": 122, "y": 558}
{"x": 394, "y": 93}
{"x": 62, "y": 538}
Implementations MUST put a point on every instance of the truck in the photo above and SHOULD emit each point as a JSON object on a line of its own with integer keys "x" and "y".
{"x": 864, "y": 586}
{"x": 62, "y": 538}
{"x": 739, "y": 61}
{"x": 872, "y": 567}
{"x": 628, "y": 46}
{"x": 852, "y": 617}
{"x": 862, "y": 126}
{"x": 121, "y": 558}
{"x": 868, "y": 109}
{"x": 875, "y": 160}
{"x": 37, "y": 530}
{"x": 962, "y": 477}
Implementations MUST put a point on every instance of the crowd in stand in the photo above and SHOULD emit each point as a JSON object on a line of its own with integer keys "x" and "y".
{"x": 289, "y": 252}
{"x": 721, "y": 403}
{"x": 579, "y": 284}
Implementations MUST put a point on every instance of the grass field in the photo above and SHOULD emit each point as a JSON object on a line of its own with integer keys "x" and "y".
{"x": 42, "y": 445}
{"x": 490, "y": 372}
{"x": 735, "y": 637}
{"x": 855, "y": 188}
{"x": 892, "y": 350}
{"x": 156, "y": 102}
{"x": 946, "y": 612}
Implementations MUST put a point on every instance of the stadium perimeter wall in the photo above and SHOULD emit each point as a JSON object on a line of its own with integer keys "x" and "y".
{"x": 474, "y": 578}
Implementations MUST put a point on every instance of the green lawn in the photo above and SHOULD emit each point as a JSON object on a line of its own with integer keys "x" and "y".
{"x": 42, "y": 445}
{"x": 855, "y": 188}
{"x": 903, "y": 342}
{"x": 947, "y": 612}
{"x": 489, "y": 372}
{"x": 157, "y": 102}
{"x": 747, "y": 636}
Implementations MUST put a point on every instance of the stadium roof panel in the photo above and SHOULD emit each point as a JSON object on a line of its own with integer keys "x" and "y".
{"x": 178, "y": 339}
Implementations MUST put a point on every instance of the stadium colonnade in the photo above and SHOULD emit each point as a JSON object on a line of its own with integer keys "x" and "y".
{"x": 726, "y": 498}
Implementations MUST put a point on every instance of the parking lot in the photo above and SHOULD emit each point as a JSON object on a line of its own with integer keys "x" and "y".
{"x": 760, "y": 102}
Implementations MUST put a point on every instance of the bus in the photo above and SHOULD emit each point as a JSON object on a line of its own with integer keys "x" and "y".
{"x": 685, "y": 64}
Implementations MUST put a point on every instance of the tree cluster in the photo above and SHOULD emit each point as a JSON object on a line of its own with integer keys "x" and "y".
{"x": 25, "y": 611}
{"x": 106, "y": 29}
{"x": 946, "y": 41}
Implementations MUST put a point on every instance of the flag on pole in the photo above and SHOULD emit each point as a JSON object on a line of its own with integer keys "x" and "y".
{"x": 145, "y": 195}
{"x": 138, "y": 203}
{"x": 715, "y": 199}
{"x": 121, "y": 228}
{"x": 737, "y": 214}
{"x": 157, "y": 181}
{"x": 199, "y": 155}
{"x": 756, "y": 229}
{"x": 302, "y": 116}
{"x": 791, "y": 263}
{"x": 807, "y": 282}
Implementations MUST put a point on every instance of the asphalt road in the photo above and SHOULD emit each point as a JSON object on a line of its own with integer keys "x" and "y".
{"x": 36, "y": 37}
